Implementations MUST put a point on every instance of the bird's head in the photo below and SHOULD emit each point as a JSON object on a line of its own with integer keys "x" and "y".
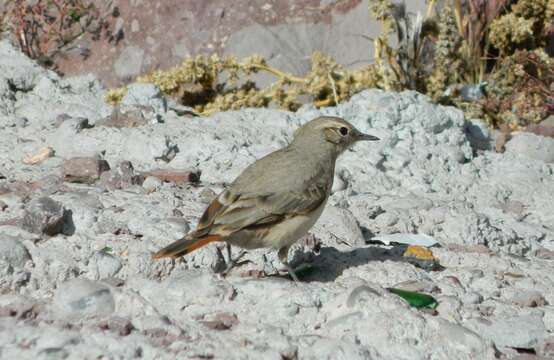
{"x": 331, "y": 132}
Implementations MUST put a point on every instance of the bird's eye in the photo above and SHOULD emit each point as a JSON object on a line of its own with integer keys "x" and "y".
{"x": 343, "y": 131}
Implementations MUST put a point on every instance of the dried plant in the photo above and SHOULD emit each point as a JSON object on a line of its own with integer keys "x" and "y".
{"x": 468, "y": 54}
{"x": 402, "y": 66}
{"x": 521, "y": 92}
{"x": 43, "y": 28}
{"x": 211, "y": 84}
{"x": 473, "y": 20}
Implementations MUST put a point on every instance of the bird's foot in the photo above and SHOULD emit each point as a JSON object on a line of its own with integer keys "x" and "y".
{"x": 293, "y": 272}
{"x": 230, "y": 262}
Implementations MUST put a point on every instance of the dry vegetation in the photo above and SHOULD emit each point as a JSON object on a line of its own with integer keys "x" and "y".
{"x": 487, "y": 57}
{"x": 45, "y": 28}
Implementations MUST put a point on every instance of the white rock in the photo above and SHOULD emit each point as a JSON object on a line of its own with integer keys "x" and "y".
{"x": 525, "y": 331}
{"x": 533, "y": 146}
{"x": 12, "y": 251}
{"x": 81, "y": 298}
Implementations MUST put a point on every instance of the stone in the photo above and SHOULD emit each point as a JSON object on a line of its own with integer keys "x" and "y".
{"x": 543, "y": 253}
{"x": 472, "y": 298}
{"x": 23, "y": 72}
{"x": 44, "y": 216}
{"x": 124, "y": 119}
{"x": 84, "y": 169}
{"x": 532, "y": 146}
{"x": 121, "y": 177}
{"x": 529, "y": 298}
{"x": 103, "y": 265}
{"x": 175, "y": 176}
{"x": 12, "y": 251}
{"x": 221, "y": 321}
{"x": 80, "y": 298}
{"x": 523, "y": 331}
{"x": 38, "y": 157}
{"x": 118, "y": 325}
{"x": 151, "y": 183}
{"x": 73, "y": 125}
{"x": 145, "y": 95}
{"x": 462, "y": 337}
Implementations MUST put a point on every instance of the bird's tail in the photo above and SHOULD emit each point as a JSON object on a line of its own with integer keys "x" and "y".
{"x": 185, "y": 246}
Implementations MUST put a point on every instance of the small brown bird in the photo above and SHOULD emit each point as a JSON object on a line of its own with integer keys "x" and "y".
{"x": 277, "y": 199}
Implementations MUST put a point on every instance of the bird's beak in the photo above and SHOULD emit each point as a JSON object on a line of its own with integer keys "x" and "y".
{"x": 366, "y": 137}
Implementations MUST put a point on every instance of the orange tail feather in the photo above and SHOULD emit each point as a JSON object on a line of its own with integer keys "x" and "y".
{"x": 185, "y": 246}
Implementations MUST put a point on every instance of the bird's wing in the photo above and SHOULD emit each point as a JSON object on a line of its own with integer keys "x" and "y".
{"x": 232, "y": 211}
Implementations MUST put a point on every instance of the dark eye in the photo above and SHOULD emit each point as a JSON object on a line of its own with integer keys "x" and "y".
{"x": 343, "y": 131}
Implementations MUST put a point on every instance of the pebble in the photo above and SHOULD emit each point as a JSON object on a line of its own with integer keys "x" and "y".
{"x": 530, "y": 298}
{"x": 151, "y": 183}
{"x": 80, "y": 298}
{"x": 128, "y": 119}
{"x": 84, "y": 169}
{"x": 103, "y": 265}
{"x": 13, "y": 251}
{"x": 472, "y": 298}
{"x": 44, "y": 216}
{"x": 121, "y": 177}
{"x": 523, "y": 331}
{"x": 532, "y": 146}
{"x": 175, "y": 176}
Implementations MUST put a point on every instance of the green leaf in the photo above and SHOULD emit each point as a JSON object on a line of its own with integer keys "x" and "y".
{"x": 415, "y": 299}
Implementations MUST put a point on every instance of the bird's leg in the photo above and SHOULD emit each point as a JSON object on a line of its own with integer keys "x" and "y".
{"x": 283, "y": 256}
{"x": 230, "y": 261}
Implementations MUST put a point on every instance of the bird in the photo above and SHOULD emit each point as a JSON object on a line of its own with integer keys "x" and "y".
{"x": 277, "y": 199}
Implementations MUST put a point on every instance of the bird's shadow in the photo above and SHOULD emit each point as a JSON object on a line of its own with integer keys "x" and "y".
{"x": 330, "y": 263}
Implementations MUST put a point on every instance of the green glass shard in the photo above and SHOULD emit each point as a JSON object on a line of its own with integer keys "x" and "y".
{"x": 107, "y": 249}
{"x": 415, "y": 299}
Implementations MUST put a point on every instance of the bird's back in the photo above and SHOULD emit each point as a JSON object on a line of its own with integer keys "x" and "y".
{"x": 284, "y": 170}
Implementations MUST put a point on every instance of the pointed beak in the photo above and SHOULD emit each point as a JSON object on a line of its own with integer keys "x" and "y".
{"x": 366, "y": 137}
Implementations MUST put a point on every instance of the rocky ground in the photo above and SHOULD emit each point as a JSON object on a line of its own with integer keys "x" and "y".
{"x": 88, "y": 192}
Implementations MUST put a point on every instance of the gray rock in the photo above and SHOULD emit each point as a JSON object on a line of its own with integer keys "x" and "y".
{"x": 82, "y": 211}
{"x": 84, "y": 169}
{"x": 12, "y": 251}
{"x": 81, "y": 298}
{"x": 532, "y": 146}
{"x": 460, "y": 336}
{"x": 23, "y": 72}
{"x": 472, "y": 298}
{"x": 103, "y": 265}
{"x": 44, "y": 216}
{"x": 528, "y": 298}
{"x": 73, "y": 125}
{"x": 524, "y": 331}
{"x": 121, "y": 177}
{"x": 145, "y": 95}
{"x": 124, "y": 119}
